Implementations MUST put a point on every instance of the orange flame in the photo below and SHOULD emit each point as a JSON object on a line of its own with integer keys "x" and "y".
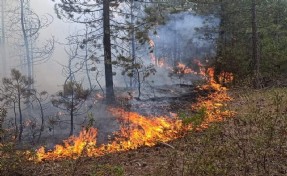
{"x": 138, "y": 130}
{"x": 183, "y": 69}
{"x": 73, "y": 147}
{"x": 142, "y": 131}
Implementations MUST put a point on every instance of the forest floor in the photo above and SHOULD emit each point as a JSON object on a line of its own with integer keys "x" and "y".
{"x": 254, "y": 142}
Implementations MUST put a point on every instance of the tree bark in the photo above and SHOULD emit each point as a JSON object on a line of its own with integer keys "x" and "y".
{"x": 15, "y": 120}
{"x": 42, "y": 118}
{"x": 255, "y": 46}
{"x": 86, "y": 59}
{"x": 26, "y": 41}
{"x": 72, "y": 112}
{"x": 20, "y": 115}
{"x": 107, "y": 53}
{"x": 133, "y": 41}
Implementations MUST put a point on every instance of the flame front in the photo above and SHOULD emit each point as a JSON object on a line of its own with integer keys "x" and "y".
{"x": 146, "y": 131}
{"x": 137, "y": 130}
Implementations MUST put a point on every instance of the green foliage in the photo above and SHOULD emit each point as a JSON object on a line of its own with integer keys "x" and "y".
{"x": 15, "y": 91}
{"x": 11, "y": 161}
{"x": 3, "y": 113}
{"x": 71, "y": 99}
{"x": 252, "y": 143}
{"x": 107, "y": 169}
{"x": 72, "y": 95}
{"x": 195, "y": 119}
{"x": 14, "y": 88}
{"x": 234, "y": 42}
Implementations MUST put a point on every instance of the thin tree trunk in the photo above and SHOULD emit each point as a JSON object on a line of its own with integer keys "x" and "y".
{"x": 222, "y": 42}
{"x": 16, "y": 124}
{"x": 255, "y": 46}
{"x": 26, "y": 41}
{"x": 139, "y": 83}
{"x": 72, "y": 112}
{"x": 86, "y": 59}
{"x": 72, "y": 121}
{"x": 107, "y": 53}
{"x": 20, "y": 116}
{"x": 175, "y": 58}
{"x": 42, "y": 119}
{"x": 133, "y": 41}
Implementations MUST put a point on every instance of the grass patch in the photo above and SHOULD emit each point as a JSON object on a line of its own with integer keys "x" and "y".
{"x": 252, "y": 143}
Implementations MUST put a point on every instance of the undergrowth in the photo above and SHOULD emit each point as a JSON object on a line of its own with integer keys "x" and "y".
{"x": 252, "y": 143}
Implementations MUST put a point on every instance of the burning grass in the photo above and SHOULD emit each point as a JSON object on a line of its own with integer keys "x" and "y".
{"x": 137, "y": 130}
{"x": 252, "y": 143}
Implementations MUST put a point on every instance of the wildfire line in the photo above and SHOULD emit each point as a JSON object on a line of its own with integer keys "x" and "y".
{"x": 141, "y": 130}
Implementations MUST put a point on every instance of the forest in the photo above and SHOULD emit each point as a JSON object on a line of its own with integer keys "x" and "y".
{"x": 143, "y": 87}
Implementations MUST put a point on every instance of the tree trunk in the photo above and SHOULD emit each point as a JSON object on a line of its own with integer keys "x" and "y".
{"x": 42, "y": 118}
{"x": 222, "y": 42}
{"x": 133, "y": 41}
{"x": 20, "y": 115}
{"x": 15, "y": 119}
{"x": 26, "y": 41}
{"x": 72, "y": 110}
{"x": 72, "y": 121}
{"x": 255, "y": 46}
{"x": 107, "y": 53}
{"x": 86, "y": 59}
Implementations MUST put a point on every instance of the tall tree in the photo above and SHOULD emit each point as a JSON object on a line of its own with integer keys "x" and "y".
{"x": 249, "y": 38}
{"x": 107, "y": 52}
{"x": 25, "y": 38}
{"x": 24, "y": 29}
{"x": 107, "y": 15}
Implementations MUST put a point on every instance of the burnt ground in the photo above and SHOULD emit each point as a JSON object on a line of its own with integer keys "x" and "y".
{"x": 164, "y": 100}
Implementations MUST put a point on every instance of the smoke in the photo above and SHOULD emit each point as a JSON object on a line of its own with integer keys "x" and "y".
{"x": 182, "y": 39}
{"x": 48, "y": 75}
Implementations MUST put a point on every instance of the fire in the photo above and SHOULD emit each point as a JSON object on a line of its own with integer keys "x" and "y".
{"x": 215, "y": 105}
{"x": 138, "y": 130}
{"x": 183, "y": 69}
{"x": 201, "y": 67}
{"x": 147, "y": 131}
{"x": 73, "y": 147}
{"x": 224, "y": 77}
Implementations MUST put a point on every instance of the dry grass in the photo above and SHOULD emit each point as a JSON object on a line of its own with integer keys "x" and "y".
{"x": 252, "y": 143}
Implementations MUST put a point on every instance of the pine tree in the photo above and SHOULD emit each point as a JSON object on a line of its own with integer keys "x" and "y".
{"x": 16, "y": 91}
